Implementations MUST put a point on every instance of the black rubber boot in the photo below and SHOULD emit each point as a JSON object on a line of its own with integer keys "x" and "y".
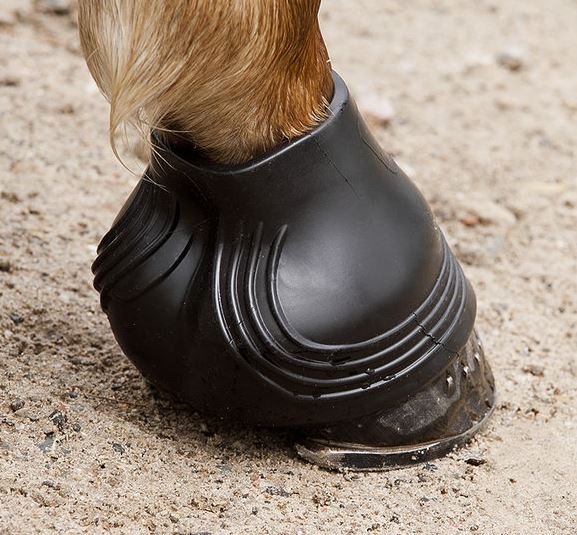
{"x": 310, "y": 288}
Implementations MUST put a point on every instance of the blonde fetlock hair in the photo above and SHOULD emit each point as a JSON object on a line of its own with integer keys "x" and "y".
{"x": 232, "y": 77}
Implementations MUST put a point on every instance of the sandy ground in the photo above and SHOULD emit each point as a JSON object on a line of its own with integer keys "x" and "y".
{"x": 485, "y": 110}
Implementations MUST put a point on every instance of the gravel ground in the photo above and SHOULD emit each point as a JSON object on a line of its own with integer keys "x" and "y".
{"x": 477, "y": 101}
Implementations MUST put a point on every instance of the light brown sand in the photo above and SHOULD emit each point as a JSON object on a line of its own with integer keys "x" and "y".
{"x": 94, "y": 450}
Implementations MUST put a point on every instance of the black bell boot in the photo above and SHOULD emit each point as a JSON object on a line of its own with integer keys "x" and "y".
{"x": 310, "y": 289}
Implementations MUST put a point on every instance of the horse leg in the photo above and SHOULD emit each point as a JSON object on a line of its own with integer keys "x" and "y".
{"x": 360, "y": 334}
{"x": 234, "y": 79}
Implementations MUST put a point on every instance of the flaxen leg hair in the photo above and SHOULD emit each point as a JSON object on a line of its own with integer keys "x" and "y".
{"x": 233, "y": 77}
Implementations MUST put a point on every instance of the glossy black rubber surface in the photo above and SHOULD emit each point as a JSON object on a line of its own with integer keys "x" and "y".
{"x": 308, "y": 287}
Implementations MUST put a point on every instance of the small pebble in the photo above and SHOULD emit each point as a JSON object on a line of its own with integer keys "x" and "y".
{"x": 48, "y": 443}
{"x": 16, "y": 318}
{"x": 66, "y": 109}
{"x": 58, "y": 419}
{"x": 486, "y": 212}
{"x": 10, "y": 81}
{"x": 534, "y": 369}
{"x": 470, "y": 221}
{"x": 277, "y": 491}
{"x": 475, "y": 459}
{"x": 16, "y": 405}
{"x": 10, "y": 196}
{"x": 322, "y": 498}
{"x": 512, "y": 59}
{"x": 377, "y": 110}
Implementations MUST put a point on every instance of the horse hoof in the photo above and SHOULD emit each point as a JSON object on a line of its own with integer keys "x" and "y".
{"x": 443, "y": 415}
{"x": 310, "y": 288}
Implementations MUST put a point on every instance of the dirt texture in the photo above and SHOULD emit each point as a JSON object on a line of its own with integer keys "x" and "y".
{"x": 476, "y": 100}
